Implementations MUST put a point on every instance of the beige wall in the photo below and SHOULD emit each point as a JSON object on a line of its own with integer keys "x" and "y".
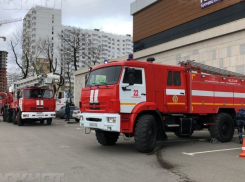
{"x": 222, "y": 46}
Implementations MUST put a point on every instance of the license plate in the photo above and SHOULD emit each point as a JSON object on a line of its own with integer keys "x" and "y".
{"x": 39, "y": 115}
{"x": 93, "y": 125}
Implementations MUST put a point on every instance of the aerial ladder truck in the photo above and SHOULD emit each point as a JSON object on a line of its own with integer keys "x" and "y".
{"x": 31, "y": 99}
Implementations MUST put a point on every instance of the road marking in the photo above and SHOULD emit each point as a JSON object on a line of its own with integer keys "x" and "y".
{"x": 194, "y": 153}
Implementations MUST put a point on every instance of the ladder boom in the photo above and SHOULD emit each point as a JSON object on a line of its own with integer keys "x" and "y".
{"x": 202, "y": 68}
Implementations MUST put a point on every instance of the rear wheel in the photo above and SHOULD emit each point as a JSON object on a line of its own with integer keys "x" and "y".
{"x": 49, "y": 121}
{"x": 42, "y": 121}
{"x": 223, "y": 130}
{"x": 20, "y": 121}
{"x": 14, "y": 118}
{"x": 106, "y": 138}
{"x": 77, "y": 120}
{"x": 145, "y": 133}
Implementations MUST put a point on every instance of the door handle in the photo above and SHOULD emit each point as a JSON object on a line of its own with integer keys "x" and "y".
{"x": 143, "y": 94}
{"x": 182, "y": 93}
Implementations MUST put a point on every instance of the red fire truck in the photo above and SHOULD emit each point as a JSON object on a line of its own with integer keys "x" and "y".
{"x": 31, "y": 100}
{"x": 144, "y": 100}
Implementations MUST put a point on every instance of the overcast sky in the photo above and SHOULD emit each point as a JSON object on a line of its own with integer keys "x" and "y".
{"x": 108, "y": 15}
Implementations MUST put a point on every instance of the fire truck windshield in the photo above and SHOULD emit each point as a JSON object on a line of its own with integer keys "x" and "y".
{"x": 38, "y": 93}
{"x": 107, "y": 75}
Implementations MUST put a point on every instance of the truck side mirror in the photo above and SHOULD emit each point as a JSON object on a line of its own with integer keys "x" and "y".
{"x": 131, "y": 77}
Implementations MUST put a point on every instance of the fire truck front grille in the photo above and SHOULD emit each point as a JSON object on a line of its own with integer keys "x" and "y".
{"x": 94, "y": 119}
{"x": 39, "y": 109}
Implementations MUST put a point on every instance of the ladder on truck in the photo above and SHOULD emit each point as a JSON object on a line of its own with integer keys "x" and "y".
{"x": 191, "y": 65}
{"x": 36, "y": 81}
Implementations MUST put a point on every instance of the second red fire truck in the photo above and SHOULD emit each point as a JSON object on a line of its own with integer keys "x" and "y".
{"x": 31, "y": 100}
{"x": 144, "y": 100}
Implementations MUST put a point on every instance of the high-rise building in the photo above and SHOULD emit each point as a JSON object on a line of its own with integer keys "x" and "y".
{"x": 3, "y": 77}
{"x": 41, "y": 23}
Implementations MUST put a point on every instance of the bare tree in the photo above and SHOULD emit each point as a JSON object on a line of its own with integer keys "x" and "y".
{"x": 92, "y": 52}
{"x": 24, "y": 54}
{"x": 71, "y": 41}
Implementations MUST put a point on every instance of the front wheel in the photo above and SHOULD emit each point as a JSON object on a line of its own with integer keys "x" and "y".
{"x": 145, "y": 133}
{"x": 223, "y": 130}
{"x": 106, "y": 138}
{"x": 77, "y": 120}
{"x": 49, "y": 121}
{"x": 14, "y": 118}
{"x": 20, "y": 121}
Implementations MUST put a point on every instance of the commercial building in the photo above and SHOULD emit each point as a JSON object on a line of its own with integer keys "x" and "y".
{"x": 207, "y": 31}
{"x": 3, "y": 67}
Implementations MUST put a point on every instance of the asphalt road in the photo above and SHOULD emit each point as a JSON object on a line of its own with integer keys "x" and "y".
{"x": 65, "y": 150}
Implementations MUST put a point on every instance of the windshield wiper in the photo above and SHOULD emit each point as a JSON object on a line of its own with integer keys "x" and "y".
{"x": 104, "y": 83}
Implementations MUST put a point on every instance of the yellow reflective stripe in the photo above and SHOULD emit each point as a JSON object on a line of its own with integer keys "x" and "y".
{"x": 128, "y": 104}
{"x": 172, "y": 103}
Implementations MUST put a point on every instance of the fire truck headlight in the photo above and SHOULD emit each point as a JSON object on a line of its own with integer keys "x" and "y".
{"x": 25, "y": 115}
{"x": 111, "y": 120}
{"x": 81, "y": 118}
{"x": 53, "y": 114}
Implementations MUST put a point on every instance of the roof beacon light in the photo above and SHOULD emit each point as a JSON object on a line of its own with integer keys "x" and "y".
{"x": 130, "y": 56}
{"x": 26, "y": 86}
{"x": 105, "y": 61}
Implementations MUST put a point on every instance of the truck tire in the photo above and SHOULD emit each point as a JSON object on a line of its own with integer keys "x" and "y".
{"x": 223, "y": 130}
{"x": 106, "y": 138}
{"x": 14, "y": 118}
{"x": 178, "y": 134}
{"x": 9, "y": 116}
{"x": 77, "y": 120}
{"x": 49, "y": 121}
{"x": 20, "y": 121}
{"x": 4, "y": 115}
{"x": 42, "y": 121}
{"x": 145, "y": 133}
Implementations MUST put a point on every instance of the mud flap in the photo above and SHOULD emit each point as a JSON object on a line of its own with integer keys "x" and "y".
{"x": 186, "y": 126}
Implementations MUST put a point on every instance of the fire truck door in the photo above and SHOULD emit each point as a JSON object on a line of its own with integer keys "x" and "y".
{"x": 176, "y": 96}
{"x": 131, "y": 95}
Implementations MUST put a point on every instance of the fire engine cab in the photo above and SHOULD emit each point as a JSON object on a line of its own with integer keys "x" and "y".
{"x": 31, "y": 100}
{"x": 144, "y": 100}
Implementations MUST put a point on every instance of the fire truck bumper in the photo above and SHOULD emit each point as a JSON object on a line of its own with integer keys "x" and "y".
{"x": 37, "y": 115}
{"x": 102, "y": 121}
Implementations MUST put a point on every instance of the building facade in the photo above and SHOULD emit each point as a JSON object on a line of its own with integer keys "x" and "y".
{"x": 210, "y": 32}
{"x": 3, "y": 68}
{"x": 105, "y": 45}
{"x": 39, "y": 24}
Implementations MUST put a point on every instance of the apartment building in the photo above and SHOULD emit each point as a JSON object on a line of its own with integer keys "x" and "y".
{"x": 3, "y": 68}
{"x": 41, "y": 23}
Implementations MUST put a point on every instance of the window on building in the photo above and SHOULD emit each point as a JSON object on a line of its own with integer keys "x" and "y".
{"x": 52, "y": 21}
{"x": 52, "y": 32}
{"x": 52, "y": 16}
{"x": 52, "y": 38}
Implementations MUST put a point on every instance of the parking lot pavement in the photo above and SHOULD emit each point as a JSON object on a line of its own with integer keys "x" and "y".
{"x": 65, "y": 149}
